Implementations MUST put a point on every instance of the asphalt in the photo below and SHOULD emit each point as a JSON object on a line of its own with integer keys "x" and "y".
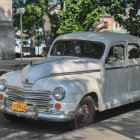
{"x": 122, "y": 123}
{"x": 121, "y": 127}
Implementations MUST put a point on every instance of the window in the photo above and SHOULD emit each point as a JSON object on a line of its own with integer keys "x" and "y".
{"x": 116, "y": 25}
{"x": 133, "y": 50}
{"x": 26, "y": 49}
{"x": 78, "y": 48}
{"x": 117, "y": 51}
{"x": 106, "y": 25}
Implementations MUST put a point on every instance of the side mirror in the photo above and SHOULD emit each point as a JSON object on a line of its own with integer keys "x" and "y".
{"x": 110, "y": 59}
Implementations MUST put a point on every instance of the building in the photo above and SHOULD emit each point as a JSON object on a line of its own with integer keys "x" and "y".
{"x": 7, "y": 49}
{"x": 26, "y": 50}
{"x": 110, "y": 24}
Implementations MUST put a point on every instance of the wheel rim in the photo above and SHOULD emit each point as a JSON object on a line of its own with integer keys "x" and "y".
{"x": 84, "y": 113}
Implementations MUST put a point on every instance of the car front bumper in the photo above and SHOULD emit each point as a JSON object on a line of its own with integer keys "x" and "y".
{"x": 51, "y": 116}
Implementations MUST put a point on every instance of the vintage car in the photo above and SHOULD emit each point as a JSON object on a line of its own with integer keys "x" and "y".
{"x": 82, "y": 73}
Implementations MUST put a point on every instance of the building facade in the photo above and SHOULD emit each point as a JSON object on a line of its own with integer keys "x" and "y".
{"x": 110, "y": 24}
{"x": 7, "y": 39}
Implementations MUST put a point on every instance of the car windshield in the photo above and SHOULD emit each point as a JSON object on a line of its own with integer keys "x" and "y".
{"x": 78, "y": 48}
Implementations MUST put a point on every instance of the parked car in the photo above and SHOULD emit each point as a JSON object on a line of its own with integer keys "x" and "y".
{"x": 82, "y": 73}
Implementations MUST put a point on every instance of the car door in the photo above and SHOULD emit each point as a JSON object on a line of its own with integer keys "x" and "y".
{"x": 133, "y": 50}
{"x": 116, "y": 76}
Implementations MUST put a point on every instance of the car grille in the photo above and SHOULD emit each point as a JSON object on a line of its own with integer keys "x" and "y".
{"x": 39, "y": 99}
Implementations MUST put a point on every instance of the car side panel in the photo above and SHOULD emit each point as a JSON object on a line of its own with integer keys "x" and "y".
{"x": 76, "y": 87}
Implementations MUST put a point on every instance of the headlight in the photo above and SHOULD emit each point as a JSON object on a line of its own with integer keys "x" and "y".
{"x": 3, "y": 85}
{"x": 59, "y": 93}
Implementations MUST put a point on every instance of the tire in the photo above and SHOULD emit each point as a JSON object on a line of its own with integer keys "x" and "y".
{"x": 84, "y": 113}
{"x": 13, "y": 118}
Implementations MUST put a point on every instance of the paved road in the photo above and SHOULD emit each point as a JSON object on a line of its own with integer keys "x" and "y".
{"x": 40, "y": 130}
{"x": 122, "y": 127}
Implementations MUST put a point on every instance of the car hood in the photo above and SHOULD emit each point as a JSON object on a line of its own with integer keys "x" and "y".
{"x": 57, "y": 66}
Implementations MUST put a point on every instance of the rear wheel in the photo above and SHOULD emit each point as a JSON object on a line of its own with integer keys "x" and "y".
{"x": 13, "y": 118}
{"x": 84, "y": 113}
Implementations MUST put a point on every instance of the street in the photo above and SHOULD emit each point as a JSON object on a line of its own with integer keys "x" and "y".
{"x": 62, "y": 60}
{"x": 40, "y": 130}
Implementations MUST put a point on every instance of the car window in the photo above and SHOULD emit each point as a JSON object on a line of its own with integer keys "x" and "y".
{"x": 78, "y": 48}
{"x": 117, "y": 51}
{"x": 133, "y": 50}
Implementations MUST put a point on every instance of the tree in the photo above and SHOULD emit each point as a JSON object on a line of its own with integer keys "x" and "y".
{"x": 31, "y": 19}
{"x": 125, "y": 13}
{"x": 79, "y": 15}
{"x": 82, "y": 15}
{"x": 37, "y": 16}
{"x": 41, "y": 17}
{"x": 39, "y": 39}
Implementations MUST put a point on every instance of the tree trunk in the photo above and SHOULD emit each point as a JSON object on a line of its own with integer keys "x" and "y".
{"x": 62, "y": 5}
{"x": 47, "y": 28}
{"x": 47, "y": 31}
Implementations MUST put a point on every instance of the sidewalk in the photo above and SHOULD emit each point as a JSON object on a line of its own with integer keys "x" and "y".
{"x": 8, "y": 65}
{"x": 123, "y": 127}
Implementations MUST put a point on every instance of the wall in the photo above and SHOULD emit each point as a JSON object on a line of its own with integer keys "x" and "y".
{"x": 107, "y": 19}
{"x": 113, "y": 26}
{"x": 7, "y": 43}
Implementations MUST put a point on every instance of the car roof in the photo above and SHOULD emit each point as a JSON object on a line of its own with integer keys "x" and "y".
{"x": 104, "y": 37}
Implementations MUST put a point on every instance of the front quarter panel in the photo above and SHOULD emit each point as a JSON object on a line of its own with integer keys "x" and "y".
{"x": 76, "y": 87}
{"x": 13, "y": 78}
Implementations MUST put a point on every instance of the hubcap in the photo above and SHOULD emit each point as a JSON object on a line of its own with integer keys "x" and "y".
{"x": 84, "y": 113}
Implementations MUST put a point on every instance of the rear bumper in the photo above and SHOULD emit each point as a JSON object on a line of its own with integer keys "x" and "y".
{"x": 52, "y": 116}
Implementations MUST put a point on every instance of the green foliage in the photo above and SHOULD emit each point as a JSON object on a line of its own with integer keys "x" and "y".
{"x": 34, "y": 11}
{"x": 32, "y": 18}
{"x": 39, "y": 37}
{"x": 81, "y": 15}
{"x": 78, "y": 14}
{"x": 55, "y": 23}
{"x": 125, "y": 13}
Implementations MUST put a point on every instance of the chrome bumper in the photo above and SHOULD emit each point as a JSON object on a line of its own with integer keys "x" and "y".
{"x": 56, "y": 117}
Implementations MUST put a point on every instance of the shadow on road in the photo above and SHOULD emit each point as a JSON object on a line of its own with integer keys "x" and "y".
{"x": 101, "y": 116}
{"x": 32, "y": 129}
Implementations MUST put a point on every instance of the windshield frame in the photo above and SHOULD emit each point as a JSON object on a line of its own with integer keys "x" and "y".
{"x": 97, "y": 42}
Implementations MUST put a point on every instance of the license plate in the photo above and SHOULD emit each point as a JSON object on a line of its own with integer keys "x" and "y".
{"x": 19, "y": 106}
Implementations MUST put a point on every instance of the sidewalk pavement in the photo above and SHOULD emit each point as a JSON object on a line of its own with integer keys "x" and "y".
{"x": 9, "y": 65}
{"x": 123, "y": 127}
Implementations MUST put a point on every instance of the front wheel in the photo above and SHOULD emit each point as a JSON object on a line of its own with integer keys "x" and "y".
{"x": 84, "y": 113}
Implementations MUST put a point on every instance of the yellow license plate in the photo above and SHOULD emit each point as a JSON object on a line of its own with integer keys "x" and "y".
{"x": 19, "y": 106}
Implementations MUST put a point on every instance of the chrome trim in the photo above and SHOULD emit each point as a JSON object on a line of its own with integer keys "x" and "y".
{"x": 76, "y": 72}
{"x": 14, "y": 87}
{"x": 39, "y": 98}
{"x": 39, "y": 91}
{"x": 69, "y": 73}
{"x": 5, "y": 85}
{"x": 27, "y": 86}
{"x": 50, "y": 116}
{"x": 63, "y": 93}
{"x": 26, "y": 89}
{"x": 35, "y": 111}
{"x": 27, "y": 83}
